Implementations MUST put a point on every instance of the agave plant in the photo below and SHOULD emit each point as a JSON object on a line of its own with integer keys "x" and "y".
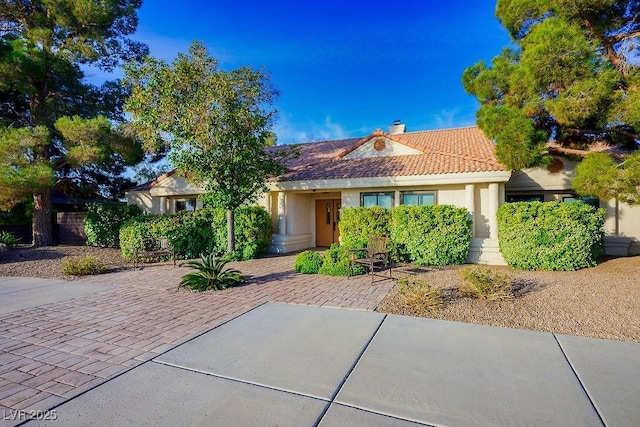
{"x": 8, "y": 238}
{"x": 210, "y": 274}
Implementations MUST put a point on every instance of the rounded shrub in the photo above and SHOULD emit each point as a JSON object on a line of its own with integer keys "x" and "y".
{"x": 335, "y": 262}
{"x": 308, "y": 262}
{"x": 82, "y": 266}
{"x": 550, "y": 235}
{"x": 103, "y": 221}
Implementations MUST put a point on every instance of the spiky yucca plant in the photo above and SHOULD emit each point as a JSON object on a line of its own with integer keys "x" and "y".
{"x": 210, "y": 274}
{"x": 8, "y": 238}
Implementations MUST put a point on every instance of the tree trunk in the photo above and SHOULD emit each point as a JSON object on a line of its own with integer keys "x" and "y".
{"x": 42, "y": 228}
{"x": 231, "y": 238}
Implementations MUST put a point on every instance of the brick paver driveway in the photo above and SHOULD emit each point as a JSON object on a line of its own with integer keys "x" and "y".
{"x": 56, "y": 351}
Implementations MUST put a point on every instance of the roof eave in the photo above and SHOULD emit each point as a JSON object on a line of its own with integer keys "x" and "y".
{"x": 500, "y": 176}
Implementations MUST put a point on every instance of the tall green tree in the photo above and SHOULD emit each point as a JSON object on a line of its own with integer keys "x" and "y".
{"x": 53, "y": 125}
{"x": 573, "y": 76}
{"x": 216, "y": 123}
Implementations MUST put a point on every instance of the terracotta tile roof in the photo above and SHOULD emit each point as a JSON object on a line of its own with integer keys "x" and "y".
{"x": 148, "y": 185}
{"x": 317, "y": 152}
{"x": 444, "y": 151}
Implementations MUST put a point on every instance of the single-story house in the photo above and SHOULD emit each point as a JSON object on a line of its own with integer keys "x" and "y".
{"x": 448, "y": 166}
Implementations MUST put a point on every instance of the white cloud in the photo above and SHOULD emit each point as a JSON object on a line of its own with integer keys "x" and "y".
{"x": 289, "y": 131}
{"x": 453, "y": 118}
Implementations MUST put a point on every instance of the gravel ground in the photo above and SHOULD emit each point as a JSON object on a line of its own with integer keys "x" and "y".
{"x": 600, "y": 302}
{"x": 45, "y": 262}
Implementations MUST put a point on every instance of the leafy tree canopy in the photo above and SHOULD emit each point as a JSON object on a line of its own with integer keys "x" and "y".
{"x": 217, "y": 123}
{"x": 573, "y": 76}
{"x": 54, "y": 127}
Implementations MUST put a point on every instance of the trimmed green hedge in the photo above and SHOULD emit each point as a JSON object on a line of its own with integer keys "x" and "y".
{"x": 425, "y": 235}
{"x": 201, "y": 232}
{"x": 357, "y": 224}
{"x": 103, "y": 221}
{"x": 431, "y": 235}
{"x": 551, "y": 235}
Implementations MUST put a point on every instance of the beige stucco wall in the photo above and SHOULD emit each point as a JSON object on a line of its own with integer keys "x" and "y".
{"x": 532, "y": 179}
{"x": 175, "y": 186}
{"x": 482, "y": 212}
{"x": 628, "y": 224}
{"x": 300, "y": 210}
{"x": 144, "y": 201}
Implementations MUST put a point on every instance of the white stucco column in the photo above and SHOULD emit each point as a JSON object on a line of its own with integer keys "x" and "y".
{"x": 163, "y": 205}
{"x": 470, "y": 202}
{"x": 282, "y": 214}
{"x": 494, "y": 202}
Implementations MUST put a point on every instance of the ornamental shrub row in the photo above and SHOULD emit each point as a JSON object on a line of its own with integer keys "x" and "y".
{"x": 103, "y": 221}
{"x": 424, "y": 235}
{"x": 334, "y": 262}
{"x": 551, "y": 235}
{"x": 357, "y": 224}
{"x": 201, "y": 232}
{"x": 431, "y": 235}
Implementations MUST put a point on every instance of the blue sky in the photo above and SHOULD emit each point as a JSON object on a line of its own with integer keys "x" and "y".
{"x": 343, "y": 68}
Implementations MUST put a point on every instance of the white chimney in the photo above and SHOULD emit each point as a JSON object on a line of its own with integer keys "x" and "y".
{"x": 397, "y": 128}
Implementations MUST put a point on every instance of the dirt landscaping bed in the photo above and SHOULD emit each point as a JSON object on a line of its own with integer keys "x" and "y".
{"x": 45, "y": 262}
{"x": 599, "y": 302}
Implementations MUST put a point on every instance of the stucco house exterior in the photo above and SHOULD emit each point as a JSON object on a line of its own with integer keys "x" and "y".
{"x": 449, "y": 166}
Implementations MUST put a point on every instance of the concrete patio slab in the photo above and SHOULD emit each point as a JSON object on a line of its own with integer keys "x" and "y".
{"x": 12, "y": 284}
{"x": 158, "y": 395}
{"x": 19, "y": 293}
{"x": 266, "y": 367}
{"x": 610, "y": 373}
{"x": 306, "y": 350}
{"x": 448, "y": 373}
{"x": 340, "y": 415}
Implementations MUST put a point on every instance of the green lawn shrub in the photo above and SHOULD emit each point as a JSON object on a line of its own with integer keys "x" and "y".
{"x": 82, "y": 266}
{"x": 336, "y": 262}
{"x": 357, "y": 224}
{"x": 202, "y": 231}
{"x": 103, "y": 221}
{"x": 431, "y": 235}
{"x": 551, "y": 235}
{"x": 308, "y": 262}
